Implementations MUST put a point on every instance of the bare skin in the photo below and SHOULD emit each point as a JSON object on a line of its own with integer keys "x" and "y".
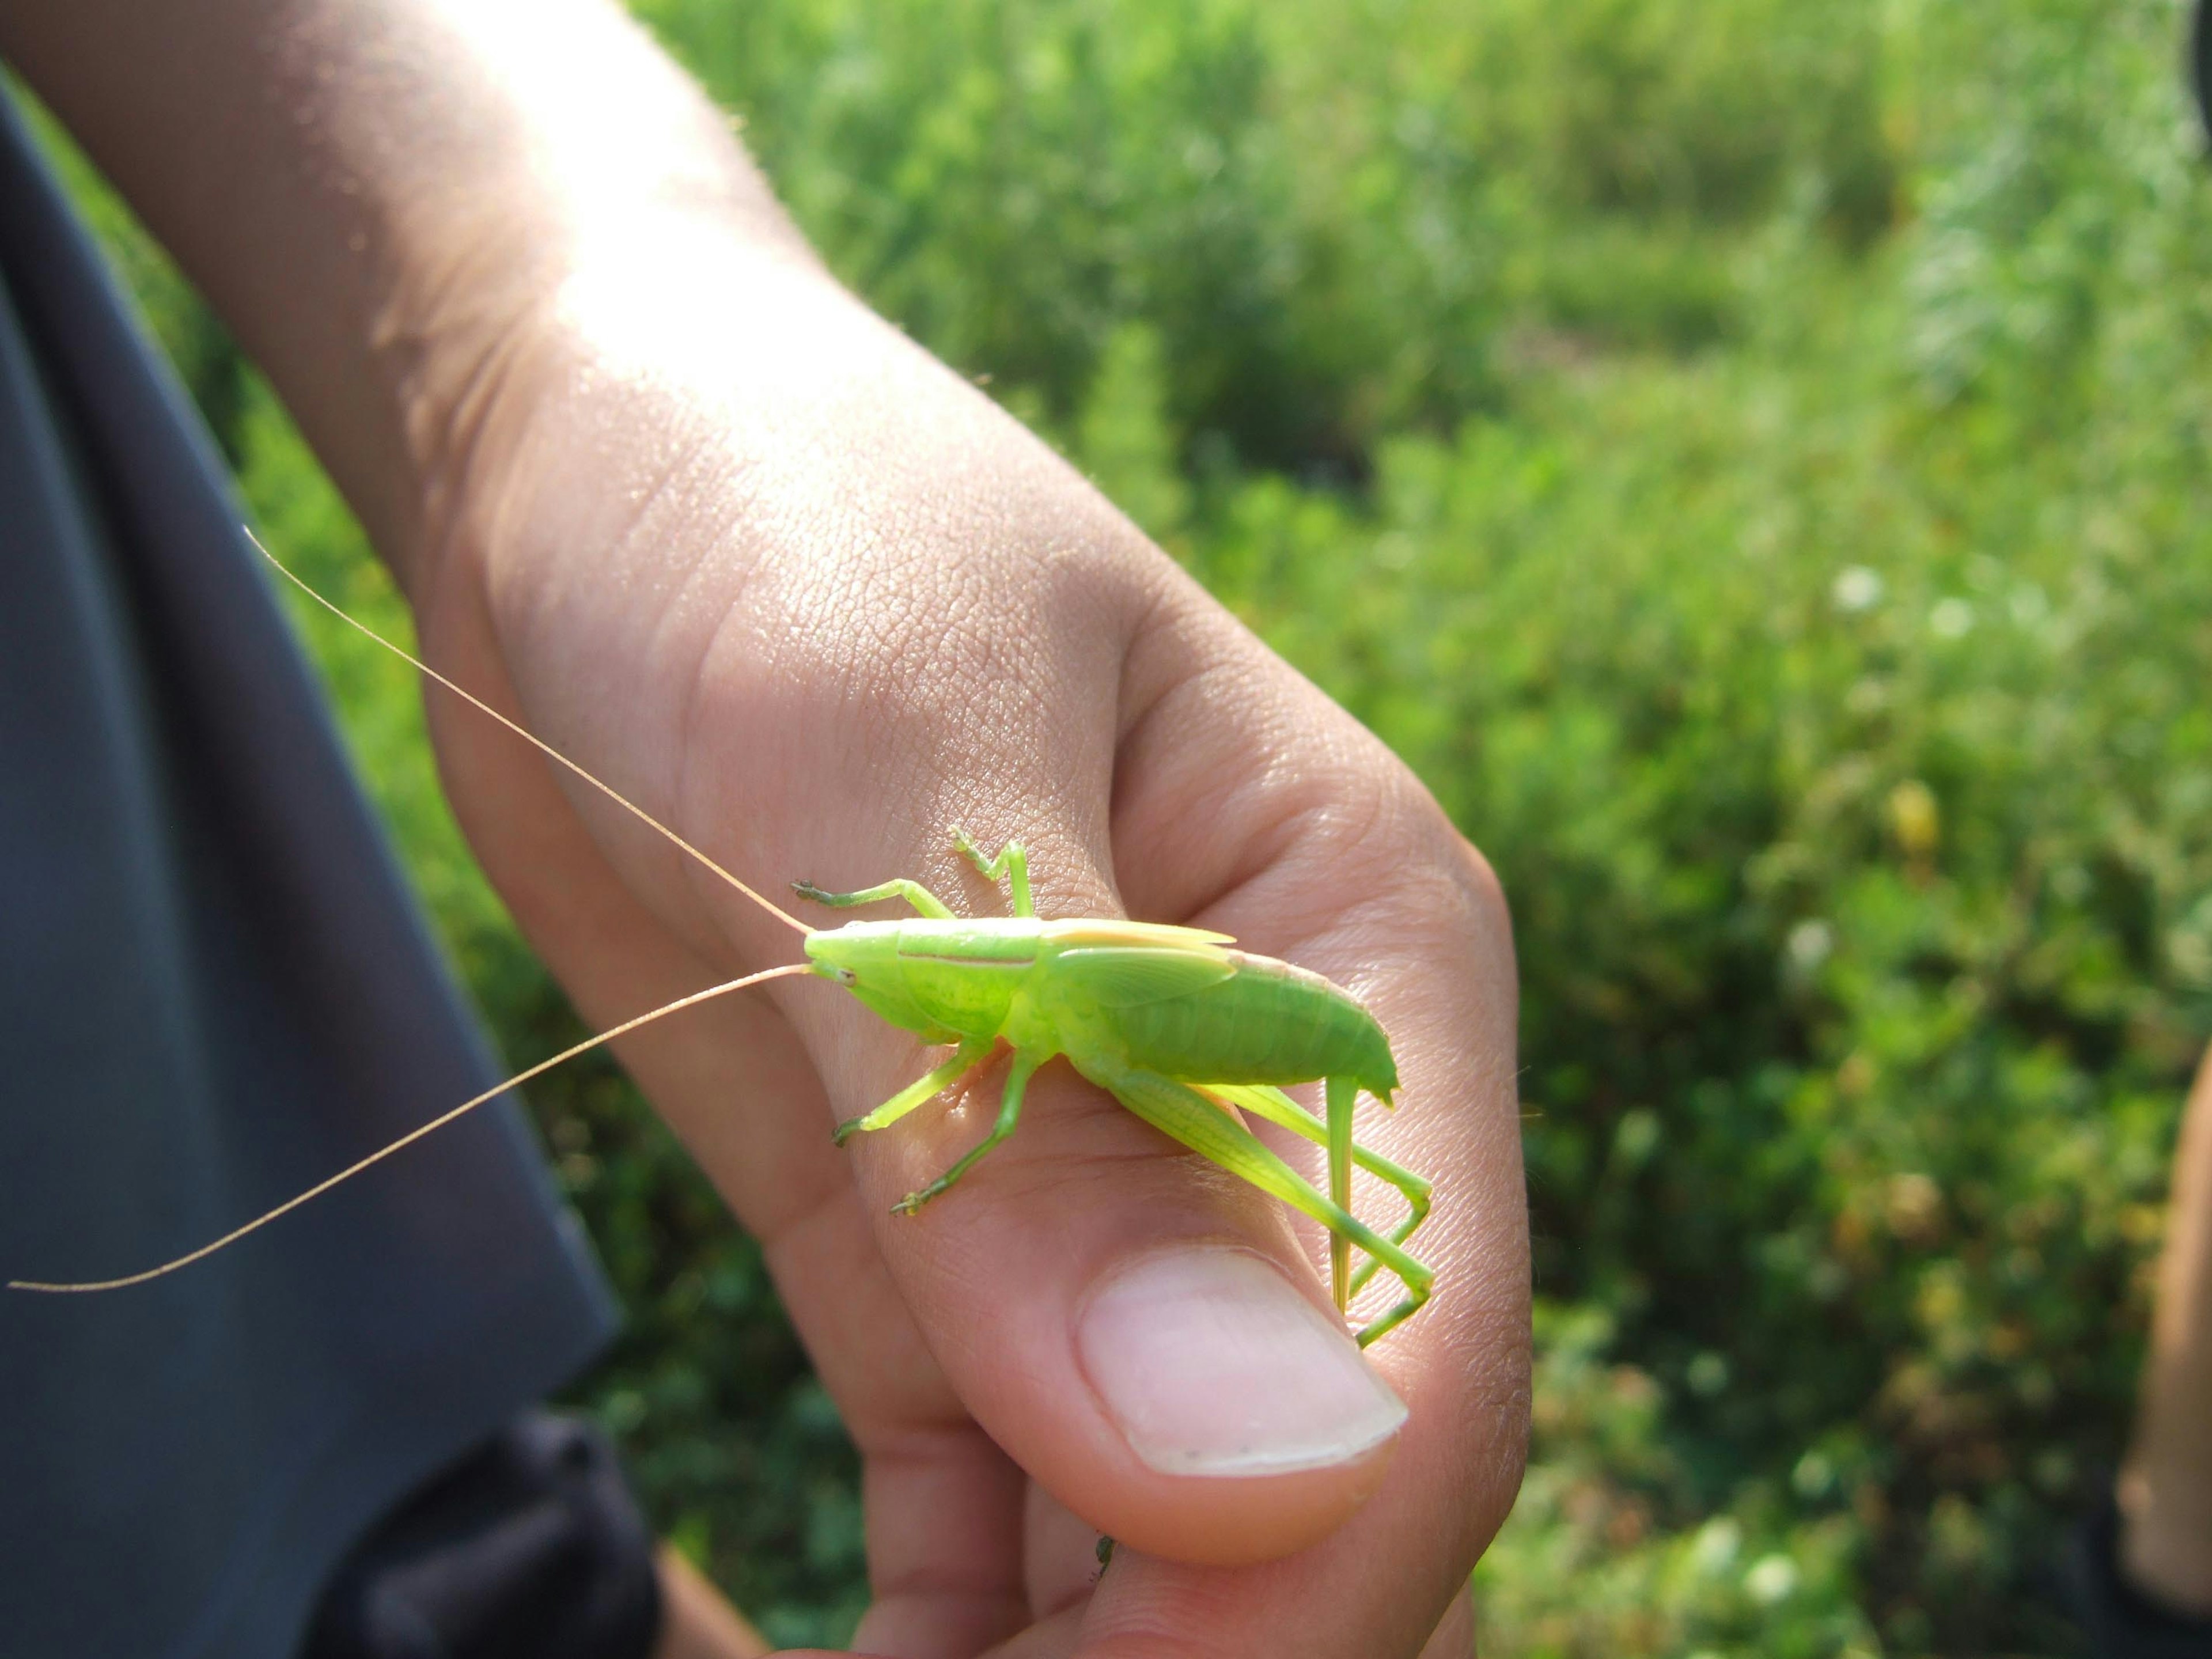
{"x": 695, "y": 1622}
{"x": 2166, "y": 1488}
{"x": 660, "y": 488}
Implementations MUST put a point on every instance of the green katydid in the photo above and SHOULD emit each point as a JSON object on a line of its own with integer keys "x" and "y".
{"x": 1182, "y": 1029}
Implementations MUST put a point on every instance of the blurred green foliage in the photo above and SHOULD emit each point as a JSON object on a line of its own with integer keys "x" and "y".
{"x": 1751, "y": 460}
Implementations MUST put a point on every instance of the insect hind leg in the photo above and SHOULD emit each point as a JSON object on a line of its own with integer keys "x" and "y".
{"x": 1181, "y": 1111}
{"x": 1278, "y": 1108}
{"x": 1342, "y": 1094}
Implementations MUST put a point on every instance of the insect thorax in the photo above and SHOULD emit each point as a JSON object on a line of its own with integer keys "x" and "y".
{"x": 943, "y": 980}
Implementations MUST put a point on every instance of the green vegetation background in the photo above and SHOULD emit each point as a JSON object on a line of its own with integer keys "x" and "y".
{"x": 1751, "y": 458}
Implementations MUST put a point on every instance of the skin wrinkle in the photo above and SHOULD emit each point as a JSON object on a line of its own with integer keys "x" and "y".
{"x": 1348, "y": 934}
{"x": 1455, "y": 1635}
{"x": 415, "y": 323}
{"x": 941, "y": 1571}
{"x": 1143, "y": 681}
{"x": 641, "y": 844}
{"x": 693, "y": 455}
{"x": 938, "y": 1579}
{"x": 446, "y": 416}
{"x": 983, "y": 661}
{"x": 782, "y": 1231}
{"x": 1053, "y": 1639}
{"x": 1193, "y": 896}
{"x": 1157, "y": 1619}
{"x": 1060, "y": 1553}
{"x": 1114, "y": 1167}
{"x": 925, "y": 1443}
{"x": 520, "y": 593}
{"x": 915, "y": 1390}
{"x": 940, "y": 1450}
{"x": 1158, "y": 1626}
{"x": 465, "y": 434}
{"x": 683, "y": 786}
{"x": 866, "y": 702}
{"x": 1226, "y": 1213}
{"x": 525, "y": 613}
{"x": 1199, "y": 792}
{"x": 1108, "y": 1177}
{"x": 933, "y": 1567}
{"x": 910, "y": 1609}
{"x": 924, "y": 1461}
{"x": 927, "y": 1587}
{"x": 1500, "y": 1464}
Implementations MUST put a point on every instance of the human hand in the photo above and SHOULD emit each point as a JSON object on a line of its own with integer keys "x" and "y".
{"x": 747, "y": 554}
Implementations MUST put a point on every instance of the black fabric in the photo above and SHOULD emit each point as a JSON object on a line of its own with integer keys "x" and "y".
{"x": 531, "y": 1547}
{"x": 2200, "y": 63}
{"x": 2120, "y": 1621}
{"x": 214, "y": 990}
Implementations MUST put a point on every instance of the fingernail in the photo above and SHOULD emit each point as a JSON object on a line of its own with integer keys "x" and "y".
{"x": 1212, "y": 1363}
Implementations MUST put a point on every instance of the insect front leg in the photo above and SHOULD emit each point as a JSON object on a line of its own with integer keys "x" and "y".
{"x": 924, "y": 902}
{"x": 965, "y": 1059}
{"x": 1012, "y": 866}
{"x": 1275, "y": 1107}
{"x": 1010, "y": 1111}
{"x": 1181, "y": 1111}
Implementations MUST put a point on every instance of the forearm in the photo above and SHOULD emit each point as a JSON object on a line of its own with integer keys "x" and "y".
{"x": 2166, "y": 1492}
{"x": 381, "y": 200}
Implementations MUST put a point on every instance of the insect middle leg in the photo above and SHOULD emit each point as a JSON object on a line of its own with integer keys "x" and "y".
{"x": 1278, "y": 1108}
{"x": 1179, "y": 1110}
{"x": 1010, "y": 1112}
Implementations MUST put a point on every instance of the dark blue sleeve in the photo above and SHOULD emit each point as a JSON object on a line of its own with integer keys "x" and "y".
{"x": 214, "y": 990}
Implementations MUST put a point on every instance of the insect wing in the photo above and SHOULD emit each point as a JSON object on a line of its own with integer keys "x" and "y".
{"x": 1122, "y": 976}
{"x": 1076, "y": 932}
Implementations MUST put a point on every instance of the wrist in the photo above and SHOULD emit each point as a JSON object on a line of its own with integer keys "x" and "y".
{"x": 534, "y": 303}
{"x": 640, "y": 379}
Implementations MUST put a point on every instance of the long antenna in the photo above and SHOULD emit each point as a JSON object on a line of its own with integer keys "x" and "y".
{"x": 545, "y": 748}
{"x": 411, "y": 1137}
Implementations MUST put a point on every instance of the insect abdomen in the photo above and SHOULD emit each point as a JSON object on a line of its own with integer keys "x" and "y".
{"x": 1268, "y": 1022}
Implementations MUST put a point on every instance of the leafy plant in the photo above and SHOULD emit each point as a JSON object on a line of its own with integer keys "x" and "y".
{"x": 1751, "y": 459}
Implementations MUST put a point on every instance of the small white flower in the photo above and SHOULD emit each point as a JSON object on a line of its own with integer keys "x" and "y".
{"x": 1809, "y": 945}
{"x": 1772, "y": 1579}
{"x": 1856, "y": 589}
{"x": 1951, "y": 618}
{"x": 1718, "y": 1542}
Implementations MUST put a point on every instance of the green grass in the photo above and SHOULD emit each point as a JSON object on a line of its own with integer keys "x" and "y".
{"x": 1751, "y": 459}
